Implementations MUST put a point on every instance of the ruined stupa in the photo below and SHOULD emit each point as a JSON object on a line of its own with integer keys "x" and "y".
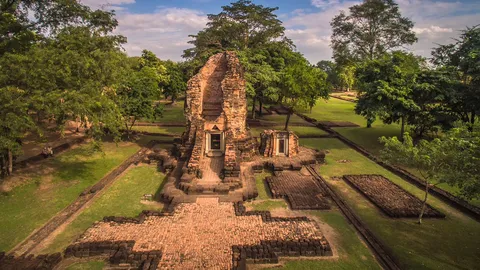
{"x": 216, "y": 113}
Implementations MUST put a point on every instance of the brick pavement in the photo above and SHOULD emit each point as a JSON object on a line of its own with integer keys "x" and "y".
{"x": 202, "y": 234}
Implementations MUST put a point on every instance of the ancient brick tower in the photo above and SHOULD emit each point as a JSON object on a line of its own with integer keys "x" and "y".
{"x": 216, "y": 112}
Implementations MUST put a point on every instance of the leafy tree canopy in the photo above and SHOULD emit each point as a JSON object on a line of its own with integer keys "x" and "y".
{"x": 369, "y": 30}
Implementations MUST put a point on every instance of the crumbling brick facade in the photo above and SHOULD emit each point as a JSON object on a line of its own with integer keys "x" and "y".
{"x": 216, "y": 112}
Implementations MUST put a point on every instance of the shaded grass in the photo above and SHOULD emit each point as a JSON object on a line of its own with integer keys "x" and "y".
{"x": 268, "y": 205}
{"x": 450, "y": 243}
{"x": 300, "y": 131}
{"x": 123, "y": 198}
{"x": 91, "y": 265}
{"x": 162, "y": 130}
{"x": 57, "y": 183}
{"x": 353, "y": 254}
{"x": 263, "y": 192}
{"x": 173, "y": 113}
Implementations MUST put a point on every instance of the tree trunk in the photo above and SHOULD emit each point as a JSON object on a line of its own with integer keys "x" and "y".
{"x": 288, "y": 119}
{"x": 260, "y": 112}
{"x": 10, "y": 162}
{"x": 472, "y": 121}
{"x": 173, "y": 99}
{"x": 3, "y": 165}
{"x": 253, "y": 107}
{"x": 402, "y": 129}
{"x": 424, "y": 204}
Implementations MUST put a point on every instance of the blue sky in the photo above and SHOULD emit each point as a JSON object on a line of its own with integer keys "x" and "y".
{"x": 163, "y": 26}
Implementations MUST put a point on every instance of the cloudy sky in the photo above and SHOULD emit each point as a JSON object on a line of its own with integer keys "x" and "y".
{"x": 163, "y": 26}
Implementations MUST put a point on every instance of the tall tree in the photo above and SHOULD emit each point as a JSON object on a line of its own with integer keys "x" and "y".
{"x": 386, "y": 87}
{"x": 176, "y": 84}
{"x": 462, "y": 58}
{"x": 58, "y": 58}
{"x": 241, "y": 25}
{"x": 301, "y": 85}
{"x": 369, "y": 30}
{"x": 331, "y": 69}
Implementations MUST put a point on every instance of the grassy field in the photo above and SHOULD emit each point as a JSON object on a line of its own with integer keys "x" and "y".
{"x": 450, "y": 243}
{"x": 353, "y": 254}
{"x": 161, "y": 130}
{"x": 91, "y": 265}
{"x": 173, "y": 113}
{"x": 339, "y": 110}
{"x": 121, "y": 199}
{"x": 52, "y": 187}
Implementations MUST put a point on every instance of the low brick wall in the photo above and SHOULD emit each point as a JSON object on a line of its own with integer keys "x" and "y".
{"x": 9, "y": 262}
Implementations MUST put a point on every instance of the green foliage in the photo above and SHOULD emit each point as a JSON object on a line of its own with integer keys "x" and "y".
{"x": 240, "y": 25}
{"x": 454, "y": 159}
{"x": 370, "y": 29}
{"x": 177, "y": 81}
{"x": 139, "y": 89}
{"x": 62, "y": 76}
{"x": 461, "y": 59}
{"x": 386, "y": 87}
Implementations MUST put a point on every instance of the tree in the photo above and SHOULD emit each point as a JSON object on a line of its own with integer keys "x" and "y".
{"x": 176, "y": 83}
{"x": 346, "y": 77}
{"x": 462, "y": 58}
{"x": 386, "y": 87}
{"x": 240, "y": 26}
{"x": 136, "y": 95}
{"x": 371, "y": 29}
{"x": 58, "y": 59}
{"x": 14, "y": 123}
{"x": 301, "y": 85}
{"x": 330, "y": 68}
{"x": 452, "y": 159}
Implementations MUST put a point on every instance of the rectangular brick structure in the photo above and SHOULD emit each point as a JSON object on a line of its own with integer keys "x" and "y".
{"x": 302, "y": 192}
{"x": 389, "y": 197}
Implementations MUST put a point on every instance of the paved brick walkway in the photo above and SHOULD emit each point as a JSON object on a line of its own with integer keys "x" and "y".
{"x": 211, "y": 169}
{"x": 200, "y": 235}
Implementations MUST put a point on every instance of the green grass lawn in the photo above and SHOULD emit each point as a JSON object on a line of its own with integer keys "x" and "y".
{"x": 173, "y": 113}
{"x": 353, "y": 254}
{"x": 161, "y": 130}
{"x": 450, "y": 243}
{"x": 121, "y": 199}
{"x": 91, "y": 265}
{"x": 55, "y": 185}
{"x": 339, "y": 110}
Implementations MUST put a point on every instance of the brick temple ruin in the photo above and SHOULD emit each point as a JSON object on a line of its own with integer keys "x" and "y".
{"x": 217, "y": 140}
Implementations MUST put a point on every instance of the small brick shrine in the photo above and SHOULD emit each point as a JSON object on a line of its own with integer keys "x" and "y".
{"x": 278, "y": 143}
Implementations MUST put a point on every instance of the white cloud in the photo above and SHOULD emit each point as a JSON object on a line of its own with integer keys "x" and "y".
{"x": 432, "y": 29}
{"x": 324, "y": 3}
{"x": 436, "y": 22}
{"x": 165, "y": 32}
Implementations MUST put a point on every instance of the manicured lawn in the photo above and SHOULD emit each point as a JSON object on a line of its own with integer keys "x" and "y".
{"x": 353, "y": 254}
{"x": 339, "y": 110}
{"x": 263, "y": 192}
{"x": 56, "y": 184}
{"x": 300, "y": 131}
{"x": 93, "y": 265}
{"x": 450, "y": 243}
{"x": 123, "y": 198}
{"x": 161, "y": 130}
{"x": 173, "y": 113}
